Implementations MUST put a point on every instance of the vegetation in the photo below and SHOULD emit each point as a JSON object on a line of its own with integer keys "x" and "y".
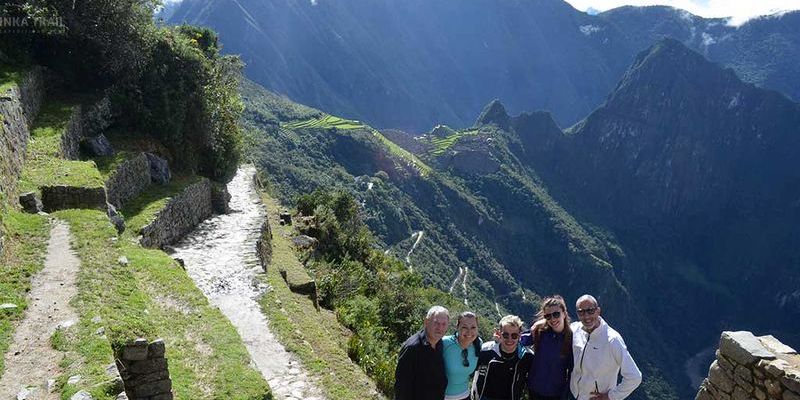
{"x": 316, "y": 336}
{"x": 373, "y": 294}
{"x": 9, "y": 76}
{"x": 44, "y": 166}
{"x": 325, "y": 122}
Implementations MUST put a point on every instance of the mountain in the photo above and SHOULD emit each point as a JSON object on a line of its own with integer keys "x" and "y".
{"x": 675, "y": 202}
{"x": 417, "y": 63}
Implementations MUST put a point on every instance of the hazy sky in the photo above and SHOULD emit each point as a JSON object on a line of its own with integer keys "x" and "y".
{"x": 740, "y": 10}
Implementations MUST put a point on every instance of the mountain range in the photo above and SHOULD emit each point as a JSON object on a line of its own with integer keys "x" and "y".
{"x": 675, "y": 202}
{"x": 413, "y": 64}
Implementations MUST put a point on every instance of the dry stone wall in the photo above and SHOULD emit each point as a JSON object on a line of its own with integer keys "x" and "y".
{"x": 71, "y": 138}
{"x": 19, "y": 105}
{"x": 65, "y": 197}
{"x": 144, "y": 370}
{"x": 181, "y": 214}
{"x": 129, "y": 180}
{"x": 750, "y": 367}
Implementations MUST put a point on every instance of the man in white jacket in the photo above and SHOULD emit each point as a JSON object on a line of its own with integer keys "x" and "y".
{"x": 600, "y": 356}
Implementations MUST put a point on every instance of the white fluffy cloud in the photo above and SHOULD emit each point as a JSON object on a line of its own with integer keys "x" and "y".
{"x": 739, "y": 10}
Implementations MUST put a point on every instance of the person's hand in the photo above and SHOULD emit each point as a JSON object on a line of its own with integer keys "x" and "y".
{"x": 599, "y": 396}
{"x": 538, "y": 324}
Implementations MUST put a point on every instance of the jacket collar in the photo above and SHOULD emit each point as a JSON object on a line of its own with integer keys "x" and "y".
{"x": 520, "y": 349}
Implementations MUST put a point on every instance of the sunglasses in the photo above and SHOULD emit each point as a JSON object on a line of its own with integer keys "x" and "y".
{"x": 464, "y": 360}
{"x": 514, "y": 336}
{"x": 555, "y": 314}
{"x": 589, "y": 311}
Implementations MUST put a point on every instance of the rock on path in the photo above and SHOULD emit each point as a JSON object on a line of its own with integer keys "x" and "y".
{"x": 31, "y": 361}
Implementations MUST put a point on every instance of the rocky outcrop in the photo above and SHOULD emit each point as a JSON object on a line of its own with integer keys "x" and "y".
{"x": 144, "y": 370}
{"x": 181, "y": 214}
{"x": 97, "y": 146}
{"x": 19, "y": 105}
{"x": 65, "y": 197}
{"x": 30, "y": 203}
{"x": 159, "y": 169}
{"x": 130, "y": 179}
{"x": 750, "y": 367}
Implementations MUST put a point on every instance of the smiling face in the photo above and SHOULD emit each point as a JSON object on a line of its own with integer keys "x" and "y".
{"x": 589, "y": 314}
{"x": 509, "y": 337}
{"x": 467, "y": 331}
{"x": 436, "y": 327}
{"x": 555, "y": 318}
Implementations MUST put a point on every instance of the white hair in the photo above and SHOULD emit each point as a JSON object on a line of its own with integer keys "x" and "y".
{"x": 437, "y": 310}
{"x": 586, "y": 297}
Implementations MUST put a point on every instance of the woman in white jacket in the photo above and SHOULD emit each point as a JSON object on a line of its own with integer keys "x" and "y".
{"x": 600, "y": 356}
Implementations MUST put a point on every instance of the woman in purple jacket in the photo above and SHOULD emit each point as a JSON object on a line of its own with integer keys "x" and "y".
{"x": 551, "y": 339}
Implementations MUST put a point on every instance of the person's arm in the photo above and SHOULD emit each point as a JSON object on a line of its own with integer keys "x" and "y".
{"x": 631, "y": 376}
{"x": 404, "y": 374}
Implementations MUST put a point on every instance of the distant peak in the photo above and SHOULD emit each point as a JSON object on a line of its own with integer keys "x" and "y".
{"x": 494, "y": 113}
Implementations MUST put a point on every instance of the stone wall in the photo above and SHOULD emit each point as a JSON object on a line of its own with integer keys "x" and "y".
{"x": 130, "y": 179}
{"x": 71, "y": 138}
{"x": 65, "y": 197}
{"x": 181, "y": 214}
{"x": 750, "y": 367}
{"x": 19, "y": 105}
{"x": 264, "y": 245}
{"x": 144, "y": 370}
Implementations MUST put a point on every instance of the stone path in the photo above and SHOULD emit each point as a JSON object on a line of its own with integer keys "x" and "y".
{"x": 31, "y": 361}
{"x": 220, "y": 256}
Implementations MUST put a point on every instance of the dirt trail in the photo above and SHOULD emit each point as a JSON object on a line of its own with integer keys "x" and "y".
{"x": 31, "y": 361}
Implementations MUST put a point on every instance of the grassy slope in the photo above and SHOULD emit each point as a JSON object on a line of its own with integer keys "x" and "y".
{"x": 317, "y": 337}
{"x": 42, "y": 165}
{"x": 26, "y": 245}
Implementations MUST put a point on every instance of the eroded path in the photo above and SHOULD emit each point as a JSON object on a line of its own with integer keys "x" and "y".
{"x": 220, "y": 257}
{"x": 31, "y": 361}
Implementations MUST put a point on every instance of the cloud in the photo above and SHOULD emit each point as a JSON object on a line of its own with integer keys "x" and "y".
{"x": 739, "y": 11}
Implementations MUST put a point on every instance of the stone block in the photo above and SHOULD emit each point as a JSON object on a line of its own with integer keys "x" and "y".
{"x": 154, "y": 376}
{"x": 703, "y": 394}
{"x": 156, "y": 348}
{"x": 159, "y": 169}
{"x": 153, "y": 388}
{"x": 81, "y": 395}
{"x": 725, "y": 363}
{"x": 743, "y": 373}
{"x": 776, "y": 368}
{"x": 760, "y": 394}
{"x": 30, "y": 203}
{"x": 743, "y": 347}
{"x": 791, "y": 379}
{"x": 300, "y": 282}
{"x": 788, "y": 395}
{"x": 135, "y": 351}
{"x": 97, "y": 146}
{"x": 719, "y": 378}
{"x": 148, "y": 366}
{"x": 163, "y": 396}
{"x": 775, "y": 345}
{"x": 740, "y": 382}
{"x": 773, "y": 388}
{"x": 741, "y": 394}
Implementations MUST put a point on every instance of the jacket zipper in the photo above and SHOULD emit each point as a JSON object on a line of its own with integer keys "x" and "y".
{"x": 583, "y": 354}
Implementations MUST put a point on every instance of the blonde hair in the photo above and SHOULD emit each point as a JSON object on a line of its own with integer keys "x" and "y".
{"x": 512, "y": 320}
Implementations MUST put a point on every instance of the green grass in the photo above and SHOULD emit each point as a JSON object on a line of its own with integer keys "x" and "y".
{"x": 441, "y": 144}
{"x": 43, "y": 167}
{"x": 142, "y": 210}
{"x": 317, "y": 337}
{"x": 26, "y": 246}
{"x": 10, "y": 76}
{"x": 109, "y": 164}
{"x": 324, "y": 122}
{"x": 152, "y": 297}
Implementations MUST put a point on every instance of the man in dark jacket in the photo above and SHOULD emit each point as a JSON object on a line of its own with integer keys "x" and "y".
{"x": 503, "y": 366}
{"x": 420, "y": 366}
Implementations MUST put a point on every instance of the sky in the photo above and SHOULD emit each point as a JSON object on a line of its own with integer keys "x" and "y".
{"x": 739, "y": 10}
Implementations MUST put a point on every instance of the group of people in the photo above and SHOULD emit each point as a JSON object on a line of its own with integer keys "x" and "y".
{"x": 552, "y": 359}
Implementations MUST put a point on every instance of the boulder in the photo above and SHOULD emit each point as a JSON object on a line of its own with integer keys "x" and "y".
{"x": 116, "y": 219}
{"x": 30, "y": 203}
{"x": 159, "y": 169}
{"x": 285, "y": 218}
{"x": 97, "y": 146}
{"x": 304, "y": 242}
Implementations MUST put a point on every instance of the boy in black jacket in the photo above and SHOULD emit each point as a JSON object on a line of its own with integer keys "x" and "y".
{"x": 503, "y": 366}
